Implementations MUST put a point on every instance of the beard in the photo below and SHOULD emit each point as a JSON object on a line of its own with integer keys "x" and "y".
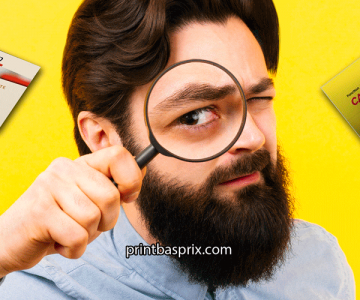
{"x": 255, "y": 223}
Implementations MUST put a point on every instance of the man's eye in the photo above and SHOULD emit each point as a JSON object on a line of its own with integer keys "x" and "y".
{"x": 260, "y": 99}
{"x": 197, "y": 117}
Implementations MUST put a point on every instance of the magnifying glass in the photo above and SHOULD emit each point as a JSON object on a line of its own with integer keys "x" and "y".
{"x": 195, "y": 111}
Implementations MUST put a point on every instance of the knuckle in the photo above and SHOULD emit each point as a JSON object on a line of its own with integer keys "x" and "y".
{"x": 79, "y": 240}
{"x": 41, "y": 208}
{"x": 76, "y": 253}
{"x": 132, "y": 186}
{"x": 110, "y": 209}
{"x": 109, "y": 224}
{"x": 138, "y": 180}
{"x": 89, "y": 212}
{"x": 95, "y": 176}
{"x": 40, "y": 211}
{"x": 93, "y": 216}
{"x": 118, "y": 151}
{"x": 61, "y": 165}
{"x": 44, "y": 180}
{"x": 80, "y": 200}
{"x": 110, "y": 220}
{"x": 133, "y": 181}
{"x": 41, "y": 196}
{"x": 112, "y": 197}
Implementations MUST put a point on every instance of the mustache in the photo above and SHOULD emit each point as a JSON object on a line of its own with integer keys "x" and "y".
{"x": 246, "y": 164}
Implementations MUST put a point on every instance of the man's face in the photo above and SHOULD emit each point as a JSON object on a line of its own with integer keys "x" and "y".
{"x": 233, "y": 46}
{"x": 238, "y": 199}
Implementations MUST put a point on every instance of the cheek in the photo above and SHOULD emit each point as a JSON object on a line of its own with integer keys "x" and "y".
{"x": 181, "y": 171}
{"x": 266, "y": 122}
{"x": 139, "y": 129}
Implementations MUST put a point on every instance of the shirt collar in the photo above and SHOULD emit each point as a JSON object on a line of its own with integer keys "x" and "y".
{"x": 159, "y": 270}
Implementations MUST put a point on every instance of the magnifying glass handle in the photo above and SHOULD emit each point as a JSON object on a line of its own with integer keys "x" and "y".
{"x": 144, "y": 158}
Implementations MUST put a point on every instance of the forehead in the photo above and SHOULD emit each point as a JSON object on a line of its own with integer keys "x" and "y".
{"x": 230, "y": 44}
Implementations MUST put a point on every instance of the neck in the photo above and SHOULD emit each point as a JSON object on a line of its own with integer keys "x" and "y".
{"x": 136, "y": 220}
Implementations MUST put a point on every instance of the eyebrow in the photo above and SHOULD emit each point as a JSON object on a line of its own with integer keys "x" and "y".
{"x": 194, "y": 92}
{"x": 263, "y": 85}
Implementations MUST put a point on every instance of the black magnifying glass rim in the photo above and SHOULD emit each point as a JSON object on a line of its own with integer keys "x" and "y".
{"x": 166, "y": 152}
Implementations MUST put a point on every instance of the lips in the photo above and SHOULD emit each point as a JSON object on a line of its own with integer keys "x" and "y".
{"x": 243, "y": 180}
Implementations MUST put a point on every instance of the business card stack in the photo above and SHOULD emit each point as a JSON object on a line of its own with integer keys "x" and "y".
{"x": 344, "y": 92}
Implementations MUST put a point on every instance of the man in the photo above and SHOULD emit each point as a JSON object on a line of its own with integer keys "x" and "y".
{"x": 238, "y": 200}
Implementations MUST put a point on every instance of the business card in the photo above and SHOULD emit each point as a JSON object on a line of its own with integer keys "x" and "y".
{"x": 15, "y": 76}
{"x": 344, "y": 92}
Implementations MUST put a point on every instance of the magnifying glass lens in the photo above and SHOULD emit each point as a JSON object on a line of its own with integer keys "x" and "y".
{"x": 196, "y": 110}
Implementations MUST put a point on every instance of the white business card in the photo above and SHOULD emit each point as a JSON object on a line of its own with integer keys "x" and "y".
{"x": 15, "y": 76}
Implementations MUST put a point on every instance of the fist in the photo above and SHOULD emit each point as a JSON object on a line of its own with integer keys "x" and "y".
{"x": 67, "y": 207}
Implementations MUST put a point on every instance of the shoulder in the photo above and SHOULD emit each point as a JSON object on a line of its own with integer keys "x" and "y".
{"x": 319, "y": 253}
{"x": 315, "y": 268}
{"x": 310, "y": 241}
{"x": 320, "y": 250}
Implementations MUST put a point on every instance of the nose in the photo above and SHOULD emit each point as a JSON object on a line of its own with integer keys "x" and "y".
{"x": 250, "y": 140}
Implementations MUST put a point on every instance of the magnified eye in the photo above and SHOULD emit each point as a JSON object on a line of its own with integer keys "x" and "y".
{"x": 197, "y": 117}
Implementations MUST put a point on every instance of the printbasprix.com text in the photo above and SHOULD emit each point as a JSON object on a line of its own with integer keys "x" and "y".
{"x": 156, "y": 249}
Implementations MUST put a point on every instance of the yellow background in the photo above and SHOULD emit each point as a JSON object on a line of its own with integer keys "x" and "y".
{"x": 318, "y": 40}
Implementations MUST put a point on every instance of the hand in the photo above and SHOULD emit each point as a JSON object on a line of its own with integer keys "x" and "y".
{"x": 67, "y": 207}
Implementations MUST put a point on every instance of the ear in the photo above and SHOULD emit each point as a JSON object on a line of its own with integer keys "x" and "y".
{"x": 97, "y": 133}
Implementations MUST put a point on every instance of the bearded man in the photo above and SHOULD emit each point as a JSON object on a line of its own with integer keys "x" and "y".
{"x": 82, "y": 237}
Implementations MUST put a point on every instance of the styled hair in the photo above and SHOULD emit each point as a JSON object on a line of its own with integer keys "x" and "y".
{"x": 114, "y": 46}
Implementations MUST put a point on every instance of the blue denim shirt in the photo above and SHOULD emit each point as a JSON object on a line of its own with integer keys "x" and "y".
{"x": 315, "y": 268}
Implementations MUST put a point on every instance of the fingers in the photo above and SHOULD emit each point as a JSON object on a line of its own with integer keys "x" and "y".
{"x": 83, "y": 190}
{"x": 117, "y": 163}
{"x": 70, "y": 237}
{"x": 92, "y": 204}
{"x": 79, "y": 207}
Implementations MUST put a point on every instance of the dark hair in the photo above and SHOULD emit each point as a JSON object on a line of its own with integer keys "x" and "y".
{"x": 114, "y": 46}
